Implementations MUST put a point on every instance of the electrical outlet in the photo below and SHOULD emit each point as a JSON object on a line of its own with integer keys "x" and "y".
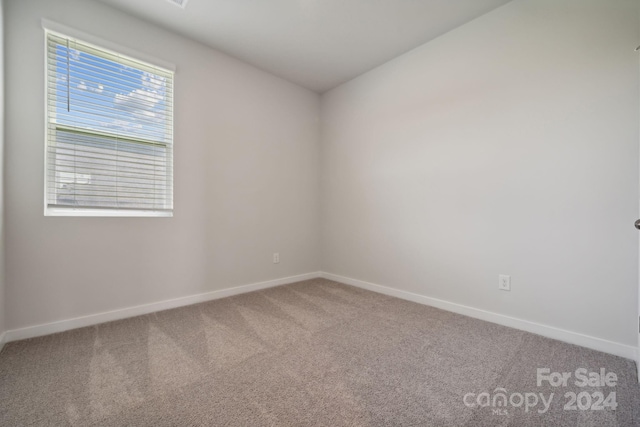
{"x": 276, "y": 258}
{"x": 504, "y": 282}
{"x": 181, "y": 3}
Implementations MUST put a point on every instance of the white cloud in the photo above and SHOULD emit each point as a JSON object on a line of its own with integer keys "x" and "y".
{"x": 122, "y": 125}
{"x": 153, "y": 82}
{"x": 141, "y": 113}
{"x": 140, "y": 102}
{"x": 138, "y": 99}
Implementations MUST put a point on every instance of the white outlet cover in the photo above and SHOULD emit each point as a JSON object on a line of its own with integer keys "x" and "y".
{"x": 181, "y": 3}
{"x": 504, "y": 282}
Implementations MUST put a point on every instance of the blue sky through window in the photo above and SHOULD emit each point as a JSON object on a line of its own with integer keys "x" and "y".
{"x": 106, "y": 96}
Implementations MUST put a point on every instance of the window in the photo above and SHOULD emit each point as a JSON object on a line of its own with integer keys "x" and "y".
{"x": 109, "y": 132}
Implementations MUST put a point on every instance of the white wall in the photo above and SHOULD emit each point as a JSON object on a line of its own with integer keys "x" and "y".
{"x": 506, "y": 146}
{"x": 2, "y": 282}
{"x": 509, "y": 145}
{"x": 246, "y": 180}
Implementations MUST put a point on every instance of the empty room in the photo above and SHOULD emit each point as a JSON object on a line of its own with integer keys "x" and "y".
{"x": 319, "y": 213}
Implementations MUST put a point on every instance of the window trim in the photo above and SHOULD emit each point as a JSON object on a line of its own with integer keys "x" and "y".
{"x": 105, "y": 46}
{"x": 102, "y": 212}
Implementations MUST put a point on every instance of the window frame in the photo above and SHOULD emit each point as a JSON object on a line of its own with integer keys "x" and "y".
{"x": 106, "y": 48}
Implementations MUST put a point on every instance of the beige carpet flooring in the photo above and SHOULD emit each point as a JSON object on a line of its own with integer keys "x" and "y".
{"x": 314, "y": 353}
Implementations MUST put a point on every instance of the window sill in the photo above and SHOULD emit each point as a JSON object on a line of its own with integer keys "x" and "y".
{"x": 106, "y": 213}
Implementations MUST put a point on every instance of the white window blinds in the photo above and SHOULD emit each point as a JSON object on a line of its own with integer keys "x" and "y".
{"x": 109, "y": 131}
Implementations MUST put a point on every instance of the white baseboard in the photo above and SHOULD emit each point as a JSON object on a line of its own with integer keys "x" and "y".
{"x": 594, "y": 343}
{"x": 622, "y": 350}
{"x": 94, "y": 319}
